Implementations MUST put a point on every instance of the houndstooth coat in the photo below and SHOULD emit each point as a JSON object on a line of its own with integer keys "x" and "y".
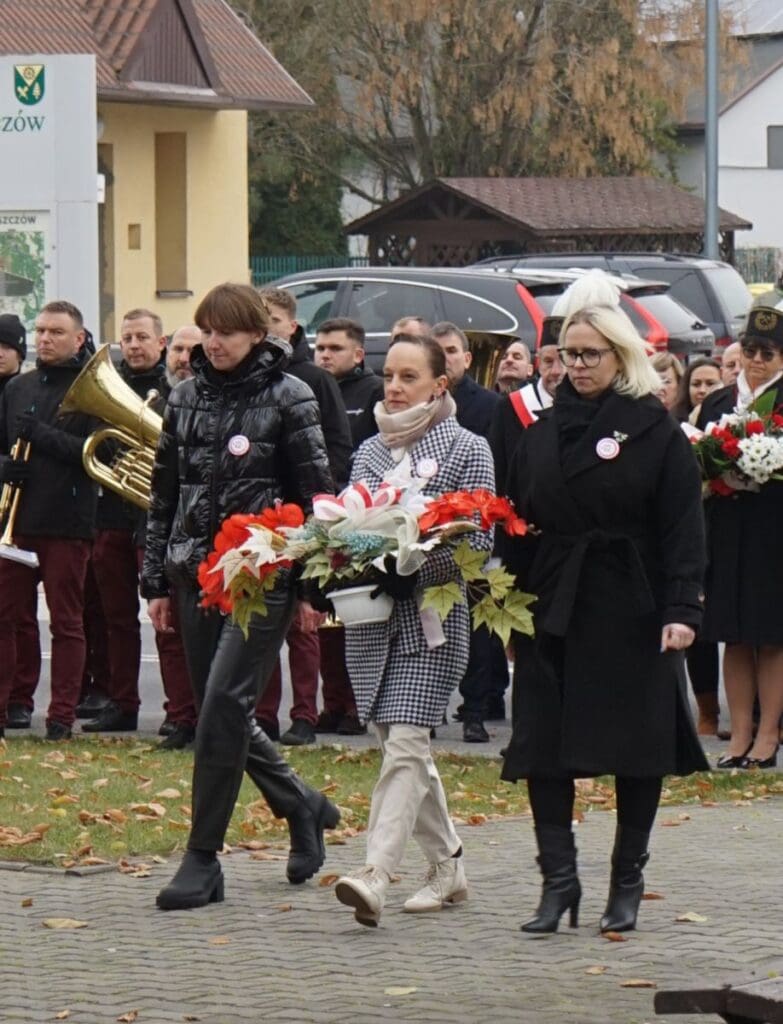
{"x": 396, "y": 678}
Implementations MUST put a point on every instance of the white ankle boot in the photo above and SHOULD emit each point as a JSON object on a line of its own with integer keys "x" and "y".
{"x": 445, "y": 883}
{"x": 365, "y": 891}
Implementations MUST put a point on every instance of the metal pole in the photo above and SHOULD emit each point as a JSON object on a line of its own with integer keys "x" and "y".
{"x": 711, "y": 224}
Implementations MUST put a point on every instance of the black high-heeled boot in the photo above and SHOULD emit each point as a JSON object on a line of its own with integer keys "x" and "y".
{"x": 561, "y": 890}
{"x": 198, "y": 881}
{"x": 626, "y": 887}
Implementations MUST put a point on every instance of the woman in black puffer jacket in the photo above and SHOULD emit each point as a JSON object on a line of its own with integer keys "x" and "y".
{"x": 236, "y": 437}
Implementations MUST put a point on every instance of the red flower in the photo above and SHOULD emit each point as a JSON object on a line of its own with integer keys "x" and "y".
{"x": 754, "y": 427}
{"x": 730, "y": 446}
{"x": 720, "y": 486}
{"x": 777, "y": 419}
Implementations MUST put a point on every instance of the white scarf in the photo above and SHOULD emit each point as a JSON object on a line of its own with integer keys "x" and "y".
{"x": 746, "y": 397}
{"x": 399, "y": 431}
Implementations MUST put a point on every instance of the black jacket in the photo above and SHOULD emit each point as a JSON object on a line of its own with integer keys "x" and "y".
{"x": 620, "y": 553}
{"x": 7, "y": 380}
{"x": 114, "y": 513}
{"x": 334, "y": 421}
{"x": 197, "y": 482}
{"x": 360, "y": 390}
{"x": 58, "y": 499}
{"x": 475, "y": 405}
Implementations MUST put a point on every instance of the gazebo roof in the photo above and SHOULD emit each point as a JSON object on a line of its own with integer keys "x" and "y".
{"x": 191, "y": 52}
{"x": 564, "y": 207}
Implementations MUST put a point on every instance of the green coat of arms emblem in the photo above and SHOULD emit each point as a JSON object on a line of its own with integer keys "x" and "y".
{"x": 29, "y": 83}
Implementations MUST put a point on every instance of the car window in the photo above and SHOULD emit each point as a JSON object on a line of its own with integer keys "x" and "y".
{"x": 378, "y": 304}
{"x": 314, "y": 302}
{"x": 731, "y": 290}
{"x": 472, "y": 313}
{"x": 674, "y": 317}
{"x": 686, "y": 287}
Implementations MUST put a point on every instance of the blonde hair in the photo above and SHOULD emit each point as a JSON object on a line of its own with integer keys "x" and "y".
{"x": 663, "y": 361}
{"x": 592, "y": 289}
{"x": 636, "y": 377}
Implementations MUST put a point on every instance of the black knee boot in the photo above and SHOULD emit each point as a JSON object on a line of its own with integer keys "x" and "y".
{"x": 307, "y": 811}
{"x": 627, "y": 882}
{"x": 561, "y": 890}
{"x": 198, "y": 881}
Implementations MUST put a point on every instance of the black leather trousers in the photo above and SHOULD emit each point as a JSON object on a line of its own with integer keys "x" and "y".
{"x": 228, "y": 674}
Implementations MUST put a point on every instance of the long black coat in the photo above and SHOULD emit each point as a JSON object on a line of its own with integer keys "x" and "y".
{"x": 620, "y": 554}
{"x": 198, "y": 480}
{"x": 745, "y": 545}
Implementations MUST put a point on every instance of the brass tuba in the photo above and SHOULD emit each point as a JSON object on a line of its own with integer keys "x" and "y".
{"x": 134, "y": 428}
{"x": 487, "y": 348}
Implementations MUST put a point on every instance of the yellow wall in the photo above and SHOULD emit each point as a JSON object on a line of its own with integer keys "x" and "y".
{"x": 217, "y": 229}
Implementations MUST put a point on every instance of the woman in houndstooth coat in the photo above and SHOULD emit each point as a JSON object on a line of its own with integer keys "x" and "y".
{"x": 402, "y": 671}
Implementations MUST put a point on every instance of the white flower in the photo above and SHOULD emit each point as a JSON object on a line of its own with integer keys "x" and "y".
{"x": 761, "y": 456}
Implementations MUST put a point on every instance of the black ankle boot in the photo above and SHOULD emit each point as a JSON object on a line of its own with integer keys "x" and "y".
{"x": 627, "y": 882}
{"x": 198, "y": 881}
{"x": 306, "y": 827}
{"x": 561, "y": 890}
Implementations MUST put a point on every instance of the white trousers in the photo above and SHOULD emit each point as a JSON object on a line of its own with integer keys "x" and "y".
{"x": 408, "y": 800}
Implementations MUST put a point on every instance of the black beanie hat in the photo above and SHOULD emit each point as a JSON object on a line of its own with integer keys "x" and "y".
{"x": 13, "y": 334}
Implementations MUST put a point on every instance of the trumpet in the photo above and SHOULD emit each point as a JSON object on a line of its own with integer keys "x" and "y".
{"x": 9, "y": 503}
{"x": 132, "y": 425}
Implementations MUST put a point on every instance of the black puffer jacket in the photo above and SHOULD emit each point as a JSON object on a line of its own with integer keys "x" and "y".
{"x": 58, "y": 499}
{"x": 197, "y": 482}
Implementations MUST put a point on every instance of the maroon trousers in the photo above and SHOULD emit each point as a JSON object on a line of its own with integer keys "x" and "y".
{"x": 62, "y": 567}
{"x": 27, "y": 670}
{"x": 117, "y": 562}
{"x": 303, "y": 660}
{"x": 336, "y": 690}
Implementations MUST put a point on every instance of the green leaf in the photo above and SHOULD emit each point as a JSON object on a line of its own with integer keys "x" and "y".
{"x": 764, "y": 405}
{"x": 505, "y": 617}
{"x": 442, "y": 598}
{"x": 469, "y": 562}
{"x": 500, "y": 582}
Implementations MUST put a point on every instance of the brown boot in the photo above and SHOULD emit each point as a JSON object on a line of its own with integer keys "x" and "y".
{"x": 709, "y": 712}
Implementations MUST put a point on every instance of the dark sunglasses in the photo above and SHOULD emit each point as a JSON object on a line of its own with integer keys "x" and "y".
{"x": 767, "y": 352}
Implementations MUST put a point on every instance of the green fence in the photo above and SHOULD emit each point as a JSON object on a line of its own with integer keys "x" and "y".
{"x": 269, "y": 268}
{"x": 757, "y": 264}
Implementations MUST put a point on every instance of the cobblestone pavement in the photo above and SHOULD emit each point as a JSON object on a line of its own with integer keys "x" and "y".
{"x": 272, "y": 952}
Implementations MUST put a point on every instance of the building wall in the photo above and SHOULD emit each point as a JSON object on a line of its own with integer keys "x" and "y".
{"x": 214, "y": 228}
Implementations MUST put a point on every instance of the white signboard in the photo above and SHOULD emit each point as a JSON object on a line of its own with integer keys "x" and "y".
{"x": 48, "y": 193}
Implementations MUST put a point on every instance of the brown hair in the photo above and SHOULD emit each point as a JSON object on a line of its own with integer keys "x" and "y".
{"x": 436, "y": 359}
{"x": 140, "y": 314}
{"x": 280, "y": 297}
{"x": 352, "y": 328}
{"x": 232, "y": 307}
{"x": 446, "y": 328}
{"x": 63, "y": 306}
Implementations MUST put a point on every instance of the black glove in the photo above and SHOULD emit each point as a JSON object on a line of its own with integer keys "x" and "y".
{"x": 27, "y": 426}
{"x": 309, "y": 590}
{"x": 391, "y": 583}
{"x": 13, "y": 471}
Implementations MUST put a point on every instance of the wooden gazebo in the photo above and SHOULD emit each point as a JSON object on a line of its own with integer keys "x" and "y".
{"x": 451, "y": 222}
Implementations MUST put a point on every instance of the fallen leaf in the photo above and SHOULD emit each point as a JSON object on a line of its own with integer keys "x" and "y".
{"x": 62, "y": 1015}
{"x": 219, "y": 940}
{"x": 63, "y": 922}
{"x": 598, "y": 969}
{"x": 285, "y": 906}
{"x": 691, "y": 917}
{"x": 614, "y": 936}
{"x": 129, "y": 1017}
{"x": 100, "y": 783}
{"x": 326, "y": 880}
{"x": 638, "y": 983}
{"x": 399, "y": 990}
{"x": 168, "y": 794}
{"x": 652, "y": 896}
{"x": 27, "y": 902}
{"x": 114, "y": 814}
{"x": 670, "y": 823}
{"x": 477, "y": 819}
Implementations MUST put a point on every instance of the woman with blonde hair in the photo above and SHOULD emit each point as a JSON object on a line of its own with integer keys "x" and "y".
{"x": 670, "y": 371}
{"x": 617, "y": 561}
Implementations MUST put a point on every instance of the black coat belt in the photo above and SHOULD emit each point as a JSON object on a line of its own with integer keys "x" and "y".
{"x": 557, "y": 618}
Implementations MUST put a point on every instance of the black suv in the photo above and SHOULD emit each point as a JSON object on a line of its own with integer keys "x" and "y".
{"x": 478, "y": 299}
{"x": 714, "y": 291}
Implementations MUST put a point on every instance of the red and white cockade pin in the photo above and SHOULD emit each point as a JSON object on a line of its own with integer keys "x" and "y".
{"x": 426, "y": 468}
{"x": 607, "y": 448}
{"x": 238, "y": 444}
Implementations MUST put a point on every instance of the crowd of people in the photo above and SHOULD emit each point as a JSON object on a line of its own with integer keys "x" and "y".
{"x": 584, "y": 435}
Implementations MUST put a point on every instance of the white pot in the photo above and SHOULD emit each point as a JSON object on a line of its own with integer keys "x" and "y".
{"x": 355, "y": 607}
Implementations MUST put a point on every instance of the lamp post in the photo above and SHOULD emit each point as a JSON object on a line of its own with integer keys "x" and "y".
{"x": 711, "y": 226}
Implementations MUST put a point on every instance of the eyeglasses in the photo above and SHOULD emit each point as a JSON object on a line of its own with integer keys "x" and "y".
{"x": 590, "y": 356}
{"x": 767, "y": 352}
